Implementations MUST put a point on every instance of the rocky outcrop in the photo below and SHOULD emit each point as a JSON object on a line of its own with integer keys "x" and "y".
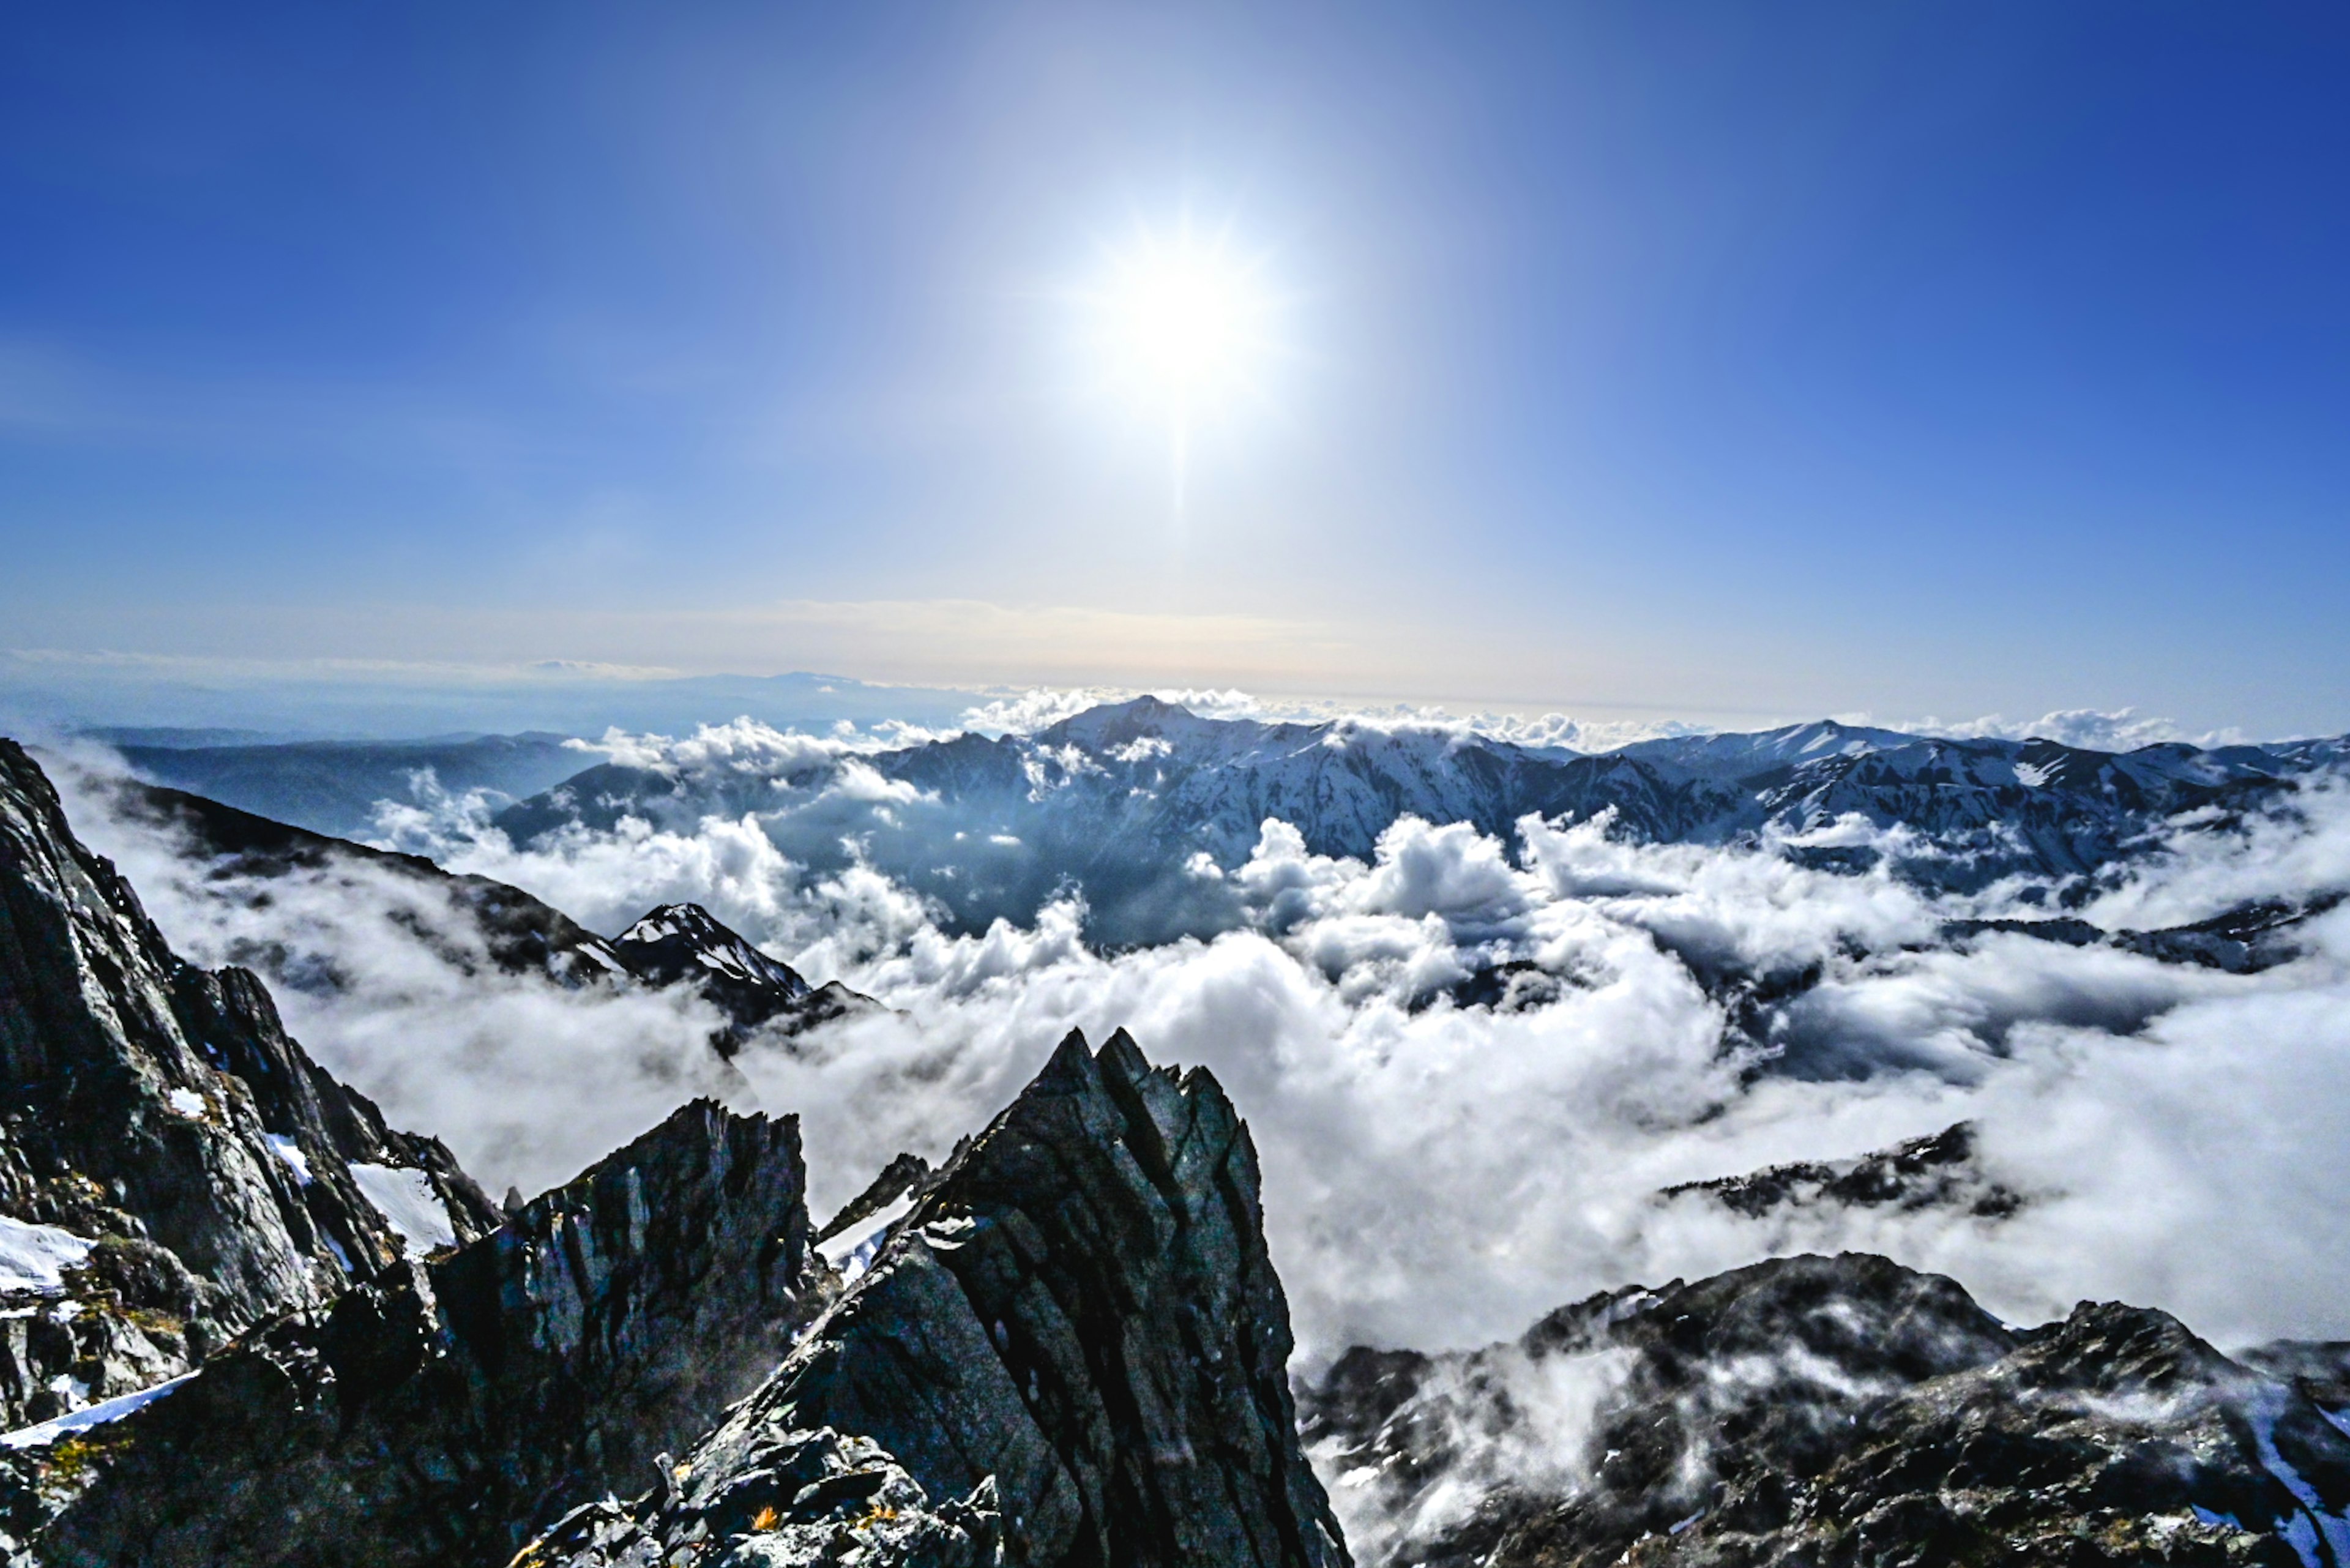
{"x": 685, "y": 944}
{"x": 173, "y": 1169}
{"x": 1075, "y": 1331}
{"x": 1829, "y": 1411}
{"x": 1940, "y": 1170}
{"x": 444, "y": 1411}
{"x": 758, "y": 1497}
{"x": 2246, "y": 940}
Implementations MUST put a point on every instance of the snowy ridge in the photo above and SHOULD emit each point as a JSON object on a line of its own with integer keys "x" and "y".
{"x": 1144, "y": 806}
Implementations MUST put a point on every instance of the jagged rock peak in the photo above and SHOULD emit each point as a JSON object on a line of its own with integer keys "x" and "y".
{"x": 1075, "y": 1329}
{"x": 605, "y": 1325}
{"x": 677, "y": 941}
{"x": 183, "y": 1166}
{"x": 686, "y": 944}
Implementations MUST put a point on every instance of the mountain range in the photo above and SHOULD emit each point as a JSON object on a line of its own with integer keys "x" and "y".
{"x": 246, "y": 1322}
{"x": 1121, "y": 801}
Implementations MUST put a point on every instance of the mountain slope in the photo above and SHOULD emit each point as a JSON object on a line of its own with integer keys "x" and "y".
{"x": 674, "y": 944}
{"x": 172, "y": 1167}
{"x": 332, "y": 786}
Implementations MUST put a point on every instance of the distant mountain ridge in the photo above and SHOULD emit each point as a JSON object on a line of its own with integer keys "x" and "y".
{"x": 672, "y": 945}
{"x": 333, "y": 786}
{"x": 1119, "y": 798}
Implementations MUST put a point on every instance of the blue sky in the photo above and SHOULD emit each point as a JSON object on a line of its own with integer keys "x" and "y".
{"x": 1727, "y": 360}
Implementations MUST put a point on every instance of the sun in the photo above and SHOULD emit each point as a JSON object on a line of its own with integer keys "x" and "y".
{"x": 1183, "y": 323}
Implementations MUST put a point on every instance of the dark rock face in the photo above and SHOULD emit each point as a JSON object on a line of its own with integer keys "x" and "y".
{"x": 1829, "y": 1411}
{"x": 1075, "y": 1328}
{"x": 442, "y": 1412}
{"x": 1937, "y": 1171}
{"x": 2319, "y": 1369}
{"x": 160, "y": 1127}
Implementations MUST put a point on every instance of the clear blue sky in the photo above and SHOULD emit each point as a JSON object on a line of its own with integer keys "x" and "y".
{"x": 1779, "y": 358}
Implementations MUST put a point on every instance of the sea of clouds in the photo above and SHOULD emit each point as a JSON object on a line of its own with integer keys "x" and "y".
{"x": 1436, "y": 1175}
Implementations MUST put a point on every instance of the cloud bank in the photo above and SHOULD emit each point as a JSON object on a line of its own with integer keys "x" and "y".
{"x": 1469, "y": 1069}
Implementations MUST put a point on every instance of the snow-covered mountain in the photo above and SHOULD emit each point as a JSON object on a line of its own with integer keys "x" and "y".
{"x": 1144, "y": 806}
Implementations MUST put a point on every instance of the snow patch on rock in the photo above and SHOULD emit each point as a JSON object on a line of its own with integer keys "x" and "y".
{"x": 407, "y": 1201}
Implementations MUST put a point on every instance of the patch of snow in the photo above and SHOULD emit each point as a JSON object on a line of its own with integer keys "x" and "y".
{"x": 188, "y": 1103}
{"x": 949, "y": 1234}
{"x": 34, "y": 1257}
{"x": 408, "y": 1203}
{"x": 71, "y": 1391}
{"x": 2030, "y": 775}
{"x": 286, "y": 1149}
{"x": 2305, "y": 1530}
{"x": 853, "y": 1250}
{"x": 81, "y": 1420}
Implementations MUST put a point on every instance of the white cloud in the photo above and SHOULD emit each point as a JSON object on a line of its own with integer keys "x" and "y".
{"x": 1437, "y": 1175}
{"x": 2091, "y": 729}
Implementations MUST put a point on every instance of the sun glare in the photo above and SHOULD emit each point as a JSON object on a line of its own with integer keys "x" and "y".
{"x": 1183, "y": 324}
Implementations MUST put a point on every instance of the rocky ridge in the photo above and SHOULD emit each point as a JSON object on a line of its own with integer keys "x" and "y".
{"x": 685, "y": 944}
{"x": 1073, "y": 1340}
{"x": 1070, "y": 1349}
{"x": 675, "y": 944}
{"x": 443, "y": 1412}
{"x": 1064, "y": 1345}
{"x": 1838, "y": 1410}
{"x": 1938, "y": 1171}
